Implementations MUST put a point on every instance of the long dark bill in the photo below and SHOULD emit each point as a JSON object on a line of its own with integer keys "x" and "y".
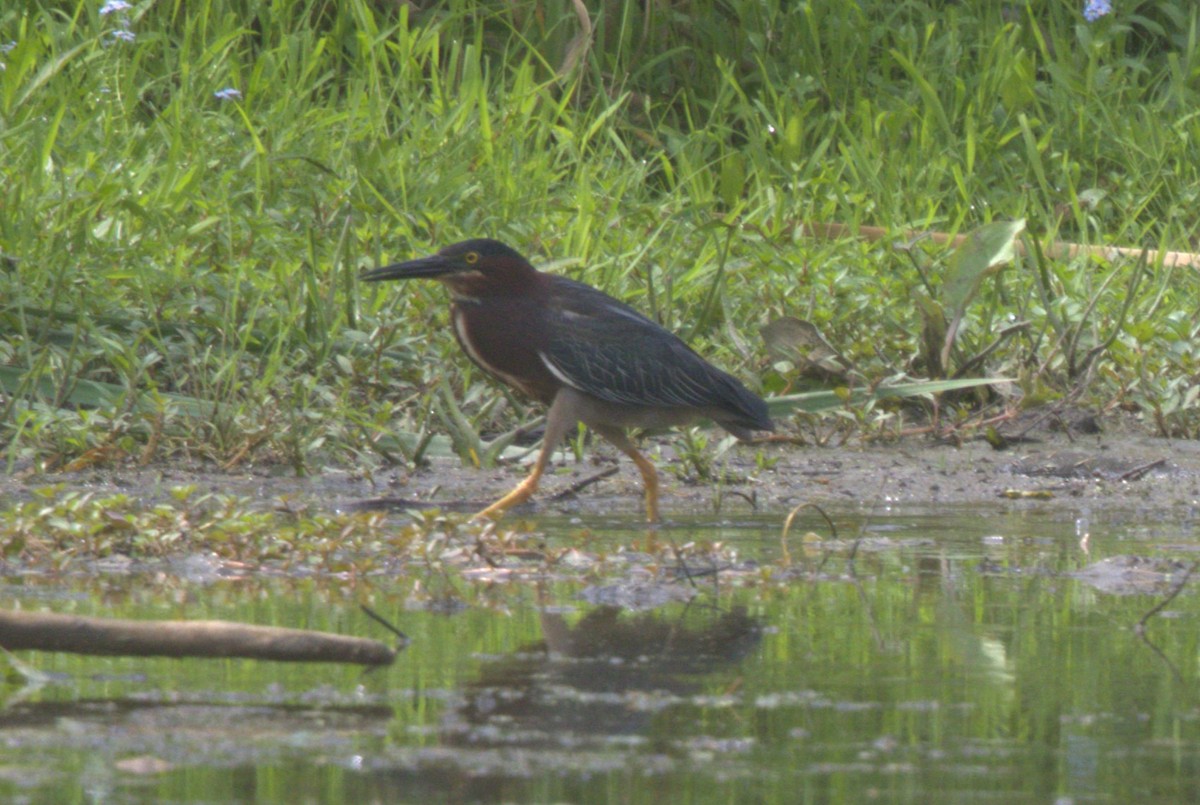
{"x": 430, "y": 267}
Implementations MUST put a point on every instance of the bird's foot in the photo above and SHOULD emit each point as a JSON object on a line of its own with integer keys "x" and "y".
{"x": 522, "y": 493}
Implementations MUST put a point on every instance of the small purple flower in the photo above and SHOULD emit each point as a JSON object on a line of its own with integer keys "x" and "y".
{"x": 123, "y": 35}
{"x": 114, "y": 7}
{"x": 228, "y": 94}
{"x": 1095, "y": 9}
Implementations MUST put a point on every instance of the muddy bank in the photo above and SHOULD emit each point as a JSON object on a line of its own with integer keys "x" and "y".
{"x": 1118, "y": 466}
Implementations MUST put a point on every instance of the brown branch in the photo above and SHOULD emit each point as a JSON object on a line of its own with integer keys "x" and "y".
{"x": 584, "y": 483}
{"x": 1137, "y": 473}
{"x": 44, "y": 631}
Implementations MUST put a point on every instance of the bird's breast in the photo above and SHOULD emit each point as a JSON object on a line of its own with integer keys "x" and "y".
{"x": 502, "y": 340}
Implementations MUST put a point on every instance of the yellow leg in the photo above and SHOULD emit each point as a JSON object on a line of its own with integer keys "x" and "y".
{"x": 650, "y": 482}
{"x": 558, "y": 419}
{"x": 649, "y": 475}
{"x": 523, "y": 492}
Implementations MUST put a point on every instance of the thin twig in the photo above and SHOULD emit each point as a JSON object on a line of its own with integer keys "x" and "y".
{"x": 982, "y": 356}
{"x": 1137, "y": 473}
{"x": 584, "y": 483}
{"x": 375, "y": 616}
{"x": 1140, "y": 629}
{"x": 787, "y": 525}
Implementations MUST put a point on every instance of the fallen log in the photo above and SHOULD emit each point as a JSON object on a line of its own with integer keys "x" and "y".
{"x": 45, "y": 631}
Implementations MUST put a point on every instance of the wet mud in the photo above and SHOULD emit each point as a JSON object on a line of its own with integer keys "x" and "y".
{"x": 1118, "y": 466}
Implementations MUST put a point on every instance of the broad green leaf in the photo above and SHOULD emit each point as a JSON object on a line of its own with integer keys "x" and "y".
{"x": 732, "y": 182}
{"x": 1090, "y": 199}
{"x": 980, "y": 255}
{"x": 827, "y": 399}
{"x": 791, "y": 148}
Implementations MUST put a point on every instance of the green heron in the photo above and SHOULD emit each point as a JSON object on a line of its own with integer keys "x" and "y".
{"x": 575, "y": 349}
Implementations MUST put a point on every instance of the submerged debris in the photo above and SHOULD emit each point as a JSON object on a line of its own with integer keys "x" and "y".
{"x": 1132, "y": 575}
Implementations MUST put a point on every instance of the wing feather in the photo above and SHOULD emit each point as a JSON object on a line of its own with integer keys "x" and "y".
{"x": 608, "y": 350}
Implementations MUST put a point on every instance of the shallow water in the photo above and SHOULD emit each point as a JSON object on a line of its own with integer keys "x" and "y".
{"x": 977, "y": 653}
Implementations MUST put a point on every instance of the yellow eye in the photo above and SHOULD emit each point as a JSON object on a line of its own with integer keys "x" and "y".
{"x": 471, "y": 257}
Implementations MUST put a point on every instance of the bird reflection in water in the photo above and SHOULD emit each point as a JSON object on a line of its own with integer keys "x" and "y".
{"x": 577, "y": 686}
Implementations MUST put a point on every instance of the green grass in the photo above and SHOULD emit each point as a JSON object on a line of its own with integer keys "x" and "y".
{"x": 198, "y": 255}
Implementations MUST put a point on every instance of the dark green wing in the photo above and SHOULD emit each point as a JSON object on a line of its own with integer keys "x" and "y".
{"x": 605, "y": 348}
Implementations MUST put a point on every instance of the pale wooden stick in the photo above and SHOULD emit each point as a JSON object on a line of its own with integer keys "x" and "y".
{"x": 1058, "y": 249}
